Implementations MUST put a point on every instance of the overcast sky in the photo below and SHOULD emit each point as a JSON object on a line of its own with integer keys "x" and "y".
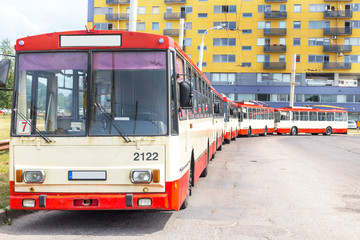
{"x": 21, "y": 18}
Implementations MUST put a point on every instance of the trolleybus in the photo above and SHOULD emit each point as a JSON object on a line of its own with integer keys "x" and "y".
{"x": 231, "y": 120}
{"x": 255, "y": 118}
{"x": 310, "y": 120}
{"x": 108, "y": 120}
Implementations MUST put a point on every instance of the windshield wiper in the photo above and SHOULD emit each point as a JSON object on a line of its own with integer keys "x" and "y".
{"x": 29, "y": 122}
{"x": 115, "y": 125}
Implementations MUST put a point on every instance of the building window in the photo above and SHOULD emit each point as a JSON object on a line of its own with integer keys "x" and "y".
{"x": 246, "y": 48}
{"x": 312, "y": 98}
{"x": 297, "y": 8}
{"x": 225, "y": 9}
{"x": 224, "y": 42}
{"x": 247, "y": 15}
{"x": 263, "y": 97}
{"x": 318, "y": 7}
{"x": 141, "y": 10}
{"x": 296, "y": 41}
{"x": 187, "y": 9}
{"x": 318, "y": 24}
{"x": 318, "y": 41}
{"x": 317, "y": 58}
{"x": 155, "y": 10}
{"x": 261, "y": 58}
{"x": 246, "y": 64}
{"x": 187, "y": 41}
{"x": 352, "y": 58}
{"x": 297, "y": 58}
{"x": 247, "y": 31}
{"x": 102, "y": 10}
{"x": 219, "y": 58}
{"x": 297, "y": 24}
{"x": 281, "y": 58}
{"x": 267, "y": 24}
{"x": 188, "y": 26}
{"x": 140, "y": 26}
{"x": 228, "y": 25}
{"x": 201, "y": 31}
{"x": 204, "y": 64}
{"x": 202, "y": 15}
{"x": 228, "y": 78}
{"x": 168, "y": 25}
{"x": 198, "y": 48}
{"x": 155, "y": 26}
{"x": 263, "y": 8}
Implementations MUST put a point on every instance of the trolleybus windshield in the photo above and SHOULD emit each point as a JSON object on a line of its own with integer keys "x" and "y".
{"x": 132, "y": 88}
{"x": 51, "y": 93}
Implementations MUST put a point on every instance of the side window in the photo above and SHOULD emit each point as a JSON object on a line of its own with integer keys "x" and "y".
{"x": 195, "y": 92}
{"x": 296, "y": 116}
{"x": 313, "y": 116}
{"x": 174, "y": 109}
{"x": 180, "y": 78}
{"x": 188, "y": 78}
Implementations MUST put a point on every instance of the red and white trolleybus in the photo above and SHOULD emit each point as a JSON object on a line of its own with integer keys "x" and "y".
{"x": 255, "y": 118}
{"x": 310, "y": 120}
{"x": 231, "y": 119}
{"x": 108, "y": 120}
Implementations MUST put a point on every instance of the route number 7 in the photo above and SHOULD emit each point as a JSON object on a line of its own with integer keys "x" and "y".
{"x": 23, "y": 128}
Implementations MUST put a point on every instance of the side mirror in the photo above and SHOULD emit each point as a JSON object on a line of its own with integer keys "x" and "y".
{"x": 216, "y": 107}
{"x": 186, "y": 95}
{"x": 4, "y": 71}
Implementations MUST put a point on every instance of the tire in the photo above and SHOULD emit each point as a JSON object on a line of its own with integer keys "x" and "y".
{"x": 249, "y": 132}
{"x": 234, "y": 138}
{"x": 328, "y": 131}
{"x": 206, "y": 169}
{"x": 293, "y": 131}
{"x": 279, "y": 133}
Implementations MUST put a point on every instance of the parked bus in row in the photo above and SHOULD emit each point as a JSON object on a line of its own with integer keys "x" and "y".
{"x": 310, "y": 120}
{"x": 110, "y": 120}
{"x": 231, "y": 120}
{"x": 255, "y": 118}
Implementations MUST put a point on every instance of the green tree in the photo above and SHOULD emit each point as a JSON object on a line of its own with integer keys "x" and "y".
{"x": 6, "y": 96}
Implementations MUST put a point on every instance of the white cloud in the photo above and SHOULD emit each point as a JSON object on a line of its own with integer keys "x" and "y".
{"x": 21, "y": 18}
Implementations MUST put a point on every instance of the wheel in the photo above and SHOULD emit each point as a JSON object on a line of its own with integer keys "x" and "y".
{"x": 249, "y": 132}
{"x": 234, "y": 137}
{"x": 328, "y": 131}
{"x": 293, "y": 131}
{"x": 205, "y": 171}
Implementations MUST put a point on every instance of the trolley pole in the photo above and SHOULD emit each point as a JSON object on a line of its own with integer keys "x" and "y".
{"x": 133, "y": 15}
{"x": 293, "y": 83}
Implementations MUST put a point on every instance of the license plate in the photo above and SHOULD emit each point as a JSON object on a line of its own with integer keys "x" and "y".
{"x": 87, "y": 175}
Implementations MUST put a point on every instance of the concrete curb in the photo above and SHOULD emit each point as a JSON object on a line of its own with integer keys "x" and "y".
{"x": 7, "y": 215}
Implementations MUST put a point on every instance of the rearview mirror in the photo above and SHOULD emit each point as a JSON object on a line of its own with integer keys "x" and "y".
{"x": 4, "y": 71}
{"x": 186, "y": 95}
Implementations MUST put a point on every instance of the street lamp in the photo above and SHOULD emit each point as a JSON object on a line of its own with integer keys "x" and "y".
{"x": 202, "y": 43}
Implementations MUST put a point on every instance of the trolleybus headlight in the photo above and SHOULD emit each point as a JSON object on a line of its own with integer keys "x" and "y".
{"x": 34, "y": 176}
{"x": 144, "y": 202}
{"x": 28, "y": 203}
{"x": 141, "y": 176}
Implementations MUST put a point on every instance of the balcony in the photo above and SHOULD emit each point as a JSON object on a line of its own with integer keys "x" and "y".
{"x": 117, "y": 16}
{"x": 117, "y": 1}
{"x": 338, "y": 14}
{"x": 174, "y": 1}
{"x": 337, "y": 48}
{"x": 275, "y": 15}
{"x": 174, "y": 16}
{"x": 270, "y": 1}
{"x": 274, "y": 48}
{"x": 338, "y": 31}
{"x": 275, "y": 31}
{"x": 274, "y": 65}
{"x": 337, "y": 65}
{"x": 171, "y": 32}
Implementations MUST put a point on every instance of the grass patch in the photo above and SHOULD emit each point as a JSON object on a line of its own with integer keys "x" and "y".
{"x": 5, "y": 126}
{"x": 4, "y": 179}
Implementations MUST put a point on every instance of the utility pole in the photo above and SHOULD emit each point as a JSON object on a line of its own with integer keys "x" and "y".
{"x": 293, "y": 83}
{"x": 181, "y": 33}
{"x": 133, "y": 15}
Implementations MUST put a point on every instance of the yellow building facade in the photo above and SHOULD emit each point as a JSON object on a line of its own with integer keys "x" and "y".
{"x": 251, "y": 57}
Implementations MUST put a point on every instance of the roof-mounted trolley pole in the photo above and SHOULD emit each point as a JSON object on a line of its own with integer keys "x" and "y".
{"x": 293, "y": 83}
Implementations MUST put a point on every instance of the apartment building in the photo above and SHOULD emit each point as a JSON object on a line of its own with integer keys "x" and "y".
{"x": 250, "y": 57}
